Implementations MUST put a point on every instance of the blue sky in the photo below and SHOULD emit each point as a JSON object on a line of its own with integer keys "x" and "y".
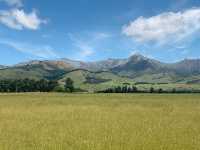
{"x": 91, "y": 30}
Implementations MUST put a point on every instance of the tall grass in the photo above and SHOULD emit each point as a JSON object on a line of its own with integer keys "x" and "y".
{"x": 99, "y": 122}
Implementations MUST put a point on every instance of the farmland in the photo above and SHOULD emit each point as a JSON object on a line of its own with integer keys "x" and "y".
{"x": 48, "y": 121}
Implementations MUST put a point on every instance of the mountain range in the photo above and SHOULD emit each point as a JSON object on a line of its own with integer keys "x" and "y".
{"x": 110, "y": 72}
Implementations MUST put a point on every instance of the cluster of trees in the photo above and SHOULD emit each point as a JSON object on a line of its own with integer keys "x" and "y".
{"x": 119, "y": 89}
{"x": 174, "y": 90}
{"x": 29, "y": 85}
{"x": 133, "y": 89}
{"x": 69, "y": 85}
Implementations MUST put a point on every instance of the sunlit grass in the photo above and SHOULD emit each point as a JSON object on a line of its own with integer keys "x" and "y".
{"x": 99, "y": 122}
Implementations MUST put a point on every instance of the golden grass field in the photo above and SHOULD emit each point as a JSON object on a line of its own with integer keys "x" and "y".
{"x": 99, "y": 122}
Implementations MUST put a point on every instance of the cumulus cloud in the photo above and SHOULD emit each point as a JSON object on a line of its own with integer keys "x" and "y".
{"x": 165, "y": 27}
{"x": 42, "y": 51}
{"x": 17, "y": 3}
{"x": 18, "y": 19}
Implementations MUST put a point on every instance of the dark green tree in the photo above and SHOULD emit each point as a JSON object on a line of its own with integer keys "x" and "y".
{"x": 151, "y": 90}
{"x": 160, "y": 90}
{"x": 134, "y": 89}
{"x": 174, "y": 90}
{"x": 69, "y": 85}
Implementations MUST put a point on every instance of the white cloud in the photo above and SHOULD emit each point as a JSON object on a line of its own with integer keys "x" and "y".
{"x": 18, "y": 19}
{"x": 43, "y": 51}
{"x": 165, "y": 27}
{"x": 85, "y": 49}
{"x": 17, "y": 3}
{"x": 87, "y": 43}
{"x": 86, "y": 52}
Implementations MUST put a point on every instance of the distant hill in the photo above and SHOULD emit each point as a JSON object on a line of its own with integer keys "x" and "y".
{"x": 139, "y": 65}
{"x": 1, "y": 66}
{"x": 187, "y": 67}
{"x": 105, "y": 65}
{"x": 36, "y": 70}
{"x": 94, "y": 81}
{"x": 136, "y": 68}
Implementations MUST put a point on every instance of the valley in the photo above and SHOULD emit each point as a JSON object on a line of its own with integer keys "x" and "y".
{"x": 137, "y": 70}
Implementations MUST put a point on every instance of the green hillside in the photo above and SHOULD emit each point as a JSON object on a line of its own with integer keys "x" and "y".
{"x": 136, "y": 70}
{"x": 95, "y": 81}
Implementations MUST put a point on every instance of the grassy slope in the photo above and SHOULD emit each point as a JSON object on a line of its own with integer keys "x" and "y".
{"x": 18, "y": 73}
{"x": 99, "y": 122}
{"x": 155, "y": 78}
{"x": 79, "y": 77}
{"x": 31, "y": 72}
{"x": 170, "y": 86}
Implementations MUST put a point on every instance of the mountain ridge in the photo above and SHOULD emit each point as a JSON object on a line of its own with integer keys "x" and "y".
{"x": 79, "y": 63}
{"x": 134, "y": 67}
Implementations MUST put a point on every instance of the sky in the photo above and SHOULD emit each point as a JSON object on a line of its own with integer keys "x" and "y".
{"x": 92, "y": 30}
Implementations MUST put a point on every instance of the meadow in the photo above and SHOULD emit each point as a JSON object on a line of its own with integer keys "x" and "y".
{"x": 99, "y": 121}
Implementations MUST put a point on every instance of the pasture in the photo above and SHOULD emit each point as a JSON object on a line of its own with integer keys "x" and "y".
{"x": 99, "y": 122}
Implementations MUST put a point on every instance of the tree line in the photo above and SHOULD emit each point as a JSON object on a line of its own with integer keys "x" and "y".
{"x": 121, "y": 89}
{"x": 30, "y": 85}
{"x": 134, "y": 89}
